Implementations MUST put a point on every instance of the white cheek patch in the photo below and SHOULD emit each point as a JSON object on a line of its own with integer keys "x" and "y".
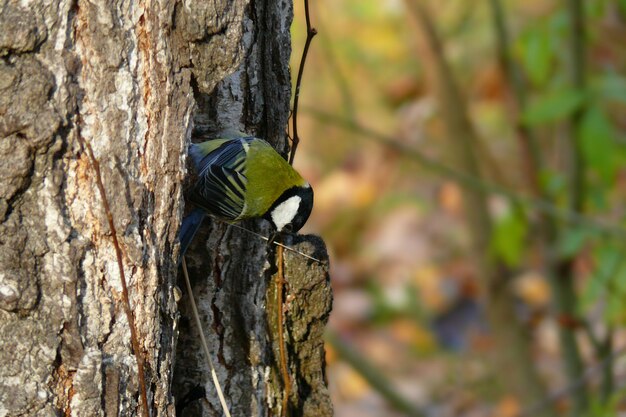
{"x": 284, "y": 213}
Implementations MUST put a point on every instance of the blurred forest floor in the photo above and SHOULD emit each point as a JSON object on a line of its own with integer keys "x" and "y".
{"x": 545, "y": 97}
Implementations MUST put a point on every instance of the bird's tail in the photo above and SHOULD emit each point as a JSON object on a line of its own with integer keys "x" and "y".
{"x": 188, "y": 229}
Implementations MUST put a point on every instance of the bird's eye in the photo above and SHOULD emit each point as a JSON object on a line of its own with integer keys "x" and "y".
{"x": 288, "y": 227}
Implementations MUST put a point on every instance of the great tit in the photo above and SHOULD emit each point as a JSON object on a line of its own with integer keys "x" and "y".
{"x": 241, "y": 178}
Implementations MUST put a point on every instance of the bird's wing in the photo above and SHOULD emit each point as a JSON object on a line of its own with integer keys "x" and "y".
{"x": 191, "y": 224}
{"x": 221, "y": 181}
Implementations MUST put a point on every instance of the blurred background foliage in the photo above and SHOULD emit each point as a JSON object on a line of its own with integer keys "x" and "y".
{"x": 468, "y": 159}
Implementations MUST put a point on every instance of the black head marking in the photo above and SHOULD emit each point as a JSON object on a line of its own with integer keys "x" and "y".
{"x": 305, "y": 194}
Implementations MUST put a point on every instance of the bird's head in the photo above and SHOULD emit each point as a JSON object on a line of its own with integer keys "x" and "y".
{"x": 292, "y": 209}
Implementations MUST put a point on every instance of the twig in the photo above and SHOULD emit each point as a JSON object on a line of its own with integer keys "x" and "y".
{"x": 565, "y": 293}
{"x": 205, "y": 346}
{"x": 603, "y": 347}
{"x": 95, "y": 165}
{"x": 310, "y": 34}
{"x": 608, "y": 384}
{"x": 578, "y": 51}
{"x": 280, "y": 245}
{"x": 531, "y": 155}
{"x": 280, "y": 284}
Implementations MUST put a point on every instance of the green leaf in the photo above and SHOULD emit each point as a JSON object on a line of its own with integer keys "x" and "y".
{"x": 607, "y": 261}
{"x": 552, "y": 107}
{"x": 553, "y": 182}
{"x": 597, "y": 142}
{"x": 620, "y": 279}
{"x": 536, "y": 54}
{"x": 607, "y": 283}
{"x": 509, "y": 236}
{"x": 616, "y": 309}
{"x": 598, "y": 197}
{"x": 593, "y": 290}
{"x": 611, "y": 86}
{"x": 572, "y": 241}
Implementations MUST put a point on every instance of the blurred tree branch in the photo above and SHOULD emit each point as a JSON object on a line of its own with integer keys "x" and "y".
{"x": 372, "y": 375}
{"x": 575, "y": 386}
{"x": 578, "y": 52}
{"x": 563, "y": 283}
{"x": 531, "y": 156}
{"x": 602, "y": 228}
{"x": 514, "y": 350}
{"x": 560, "y": 271}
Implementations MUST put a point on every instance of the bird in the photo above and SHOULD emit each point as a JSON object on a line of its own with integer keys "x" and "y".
{"x": 243, "y": 177}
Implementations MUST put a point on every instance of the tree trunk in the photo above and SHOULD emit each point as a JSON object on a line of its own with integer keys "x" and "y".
{"x": 131, "y": 80}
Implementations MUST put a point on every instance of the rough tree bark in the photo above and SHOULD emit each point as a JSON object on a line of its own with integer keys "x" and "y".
{"x": 232, "y": 269}
{"x": 132, "y": 79}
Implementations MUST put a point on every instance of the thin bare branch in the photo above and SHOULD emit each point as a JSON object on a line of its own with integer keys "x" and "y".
{"x": 531, "y": 156}
{"x": 273, "y": 242}
{"x": 578, "y": 52}
{"x": 563, "y": 281}
{"x": 310, "y": 34}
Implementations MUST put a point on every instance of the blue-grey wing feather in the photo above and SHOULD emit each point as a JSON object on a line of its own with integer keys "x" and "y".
{"x": 222, "y": 182}
{"x": 191, "y": 224}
